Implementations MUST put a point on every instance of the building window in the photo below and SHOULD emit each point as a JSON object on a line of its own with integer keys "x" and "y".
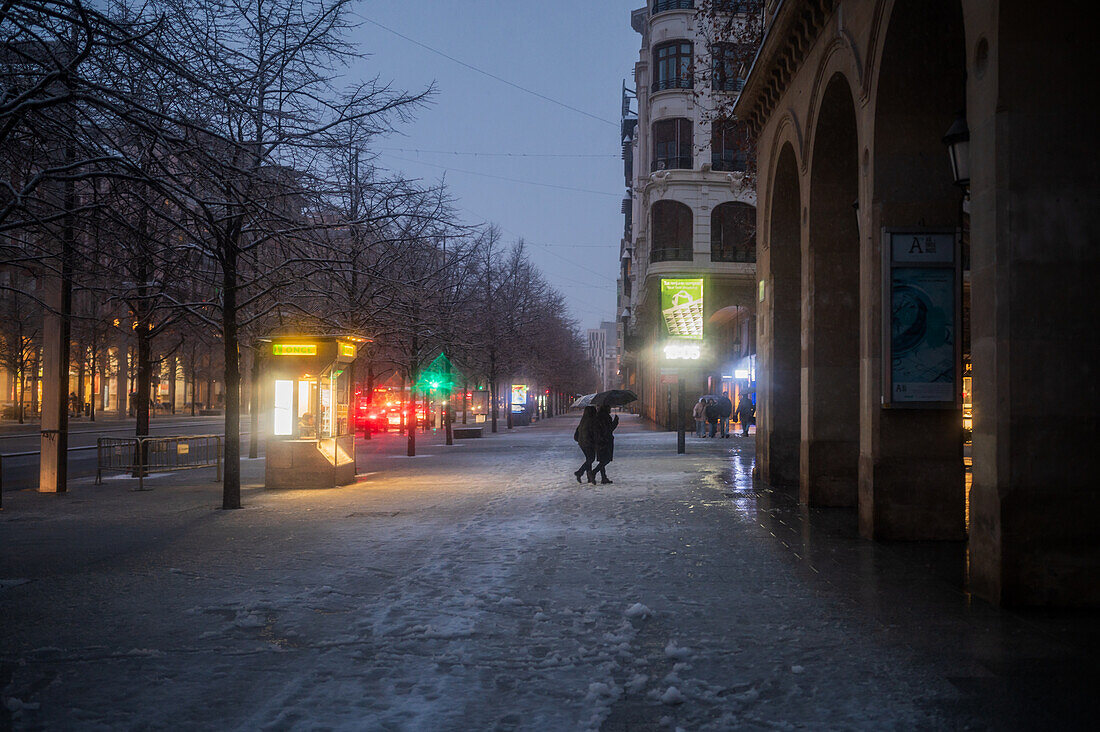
{"x": 736, "y": 6}
{"x": 672, "y": 144}
{"x": 660, "y": 6}
{"x": 729, "y": 145}
{"x": 671, "y": 232}
{"x": 728, "y": 62}
{"x": 733, "y": 233}
{"x": 673, "y": 64}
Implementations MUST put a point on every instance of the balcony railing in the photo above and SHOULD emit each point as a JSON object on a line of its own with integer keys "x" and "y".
{"x": 670, "y": 254}
{"x": 673, "y": 163}
{"x": 660, "y": 6}
{"x": 728, "y": 85}
{"x": 734, "y": 163}
{"x": 676, "y": 82}
{"x": 732, "y": 254}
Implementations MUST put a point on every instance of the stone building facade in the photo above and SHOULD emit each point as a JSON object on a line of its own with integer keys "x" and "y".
{"x": 852, "y": 102}
{"x": 689, "y": 213}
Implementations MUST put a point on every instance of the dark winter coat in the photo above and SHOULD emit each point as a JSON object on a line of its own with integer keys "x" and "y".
{"x": 587, "y": 433}
{"x": 605, "y": 437}
{"x": 712, "y": 412}
{"x": 725, "y": 407}
{"x": 745, "y": 409}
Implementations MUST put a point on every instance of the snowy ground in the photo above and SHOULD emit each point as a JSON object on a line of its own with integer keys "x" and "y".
{"x": 480, "y": 587}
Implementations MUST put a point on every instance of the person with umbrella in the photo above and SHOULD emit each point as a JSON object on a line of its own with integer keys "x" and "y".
{"x": 586, "y": 436}
{"x": 605, "y": 441}
{"x": 595, "y": 433}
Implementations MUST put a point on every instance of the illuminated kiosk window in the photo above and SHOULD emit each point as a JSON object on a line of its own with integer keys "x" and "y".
{"x": 284, "y": 406}
{"x": 682, "y": 307}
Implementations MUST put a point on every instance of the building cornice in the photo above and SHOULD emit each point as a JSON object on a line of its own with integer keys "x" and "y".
{"x": 790, "y": 35}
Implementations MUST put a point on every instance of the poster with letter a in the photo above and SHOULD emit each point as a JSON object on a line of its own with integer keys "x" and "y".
{"x": 921, "y": 320}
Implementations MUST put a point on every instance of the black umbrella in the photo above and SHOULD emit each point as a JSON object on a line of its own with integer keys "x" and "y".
{"x": 614, "y": 398}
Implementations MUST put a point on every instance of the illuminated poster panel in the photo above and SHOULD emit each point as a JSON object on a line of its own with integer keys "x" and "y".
{"x": 519, "y": 395}
{"x": 682, "y": 307}
{"x": 920, "y": 334}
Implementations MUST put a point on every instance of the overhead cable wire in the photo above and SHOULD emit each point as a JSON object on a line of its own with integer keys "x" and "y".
{"x": 490, "y": 75}
{"x": 499, "y": 154}
{"x": 505, "y": 178}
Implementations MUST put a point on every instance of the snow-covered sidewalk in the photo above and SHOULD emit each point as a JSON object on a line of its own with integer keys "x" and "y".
{"x": 479, "y": 586}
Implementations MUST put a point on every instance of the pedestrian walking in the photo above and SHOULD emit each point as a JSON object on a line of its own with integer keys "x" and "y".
{"x": 713, "y": 416}
{"x": 746, "y": 410}
{"x": 725, "y": 409}
{"x": 605, "y": 441}
{"x": 586, "y": 438}
{"x": 699, "y": 414}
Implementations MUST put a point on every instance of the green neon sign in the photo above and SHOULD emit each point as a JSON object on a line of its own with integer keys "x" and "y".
{"x": 288, "y": 349}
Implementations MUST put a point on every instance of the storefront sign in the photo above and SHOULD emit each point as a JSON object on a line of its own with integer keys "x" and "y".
{"x": 921, "y": 285}
{"x": 287, "y": 349}
{"x": 347, "y": 349}
{"x": 681, "y": 350}
{"x": 682, "y": 307}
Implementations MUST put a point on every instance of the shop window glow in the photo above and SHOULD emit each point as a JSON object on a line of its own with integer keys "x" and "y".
{"x": 284, "y": 406}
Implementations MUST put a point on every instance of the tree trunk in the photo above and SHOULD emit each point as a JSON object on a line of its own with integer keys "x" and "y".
{"x": 465, "y": 400}
{"x": 21, "y": 386}
{"x": 231, "y": 473}
{"x": 254, "y": 408}
{"x": 493, "y": 385}
{"x": 174, "y": 368}
{"x": 81, "y": 370}
{"x": 34, "y": 382}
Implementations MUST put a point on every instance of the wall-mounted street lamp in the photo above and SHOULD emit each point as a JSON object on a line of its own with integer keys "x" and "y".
{"x": 957, "y": 140}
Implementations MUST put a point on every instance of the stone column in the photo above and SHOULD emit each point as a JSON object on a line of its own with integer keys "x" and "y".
{"x": 1033, "y": 114}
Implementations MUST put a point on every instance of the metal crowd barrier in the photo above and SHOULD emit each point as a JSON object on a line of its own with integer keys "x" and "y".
{"x": 142, "y": 455}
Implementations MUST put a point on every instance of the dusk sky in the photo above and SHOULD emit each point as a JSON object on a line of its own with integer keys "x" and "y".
{"x": 576, "y": 52}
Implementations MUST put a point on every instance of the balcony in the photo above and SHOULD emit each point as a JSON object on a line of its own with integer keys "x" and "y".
{"x": 660, "y": 6}
{"x": 670, "y": 254}
{"x": 671, "y": 163}
{"x": 732, "y": 254}
{"x": 675, "y": 82}
{"x": 728, "y": 84}
{"x": 729, "y": 162}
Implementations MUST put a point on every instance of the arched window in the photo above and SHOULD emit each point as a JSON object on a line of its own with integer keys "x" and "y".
{"x": 672, "y": 64}
{"x": 729, "y": 145}
{"x": 671, "y": 232}
{"x": 733, "y": 233}
{"x": 672, "y": 144}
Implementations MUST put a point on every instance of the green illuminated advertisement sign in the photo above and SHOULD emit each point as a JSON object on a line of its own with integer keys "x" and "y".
{"x": 682, "y": 306}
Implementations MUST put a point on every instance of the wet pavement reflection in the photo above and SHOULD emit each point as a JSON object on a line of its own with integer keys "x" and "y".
{"x": 1013, "y": 668}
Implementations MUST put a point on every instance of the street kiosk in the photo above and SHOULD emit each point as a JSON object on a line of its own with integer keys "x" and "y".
{"x": 311, "y": 441}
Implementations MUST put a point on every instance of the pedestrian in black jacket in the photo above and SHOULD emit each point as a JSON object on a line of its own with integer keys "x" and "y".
{"x": 713, "y": 415}
{"x": 605, "y": 441}
{"x": 586, "y": 436}
{"x": 725, "y": 409}
{"x": 746, "y": 410}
